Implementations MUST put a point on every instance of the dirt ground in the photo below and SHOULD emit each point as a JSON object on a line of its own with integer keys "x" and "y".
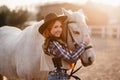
{"x": 107, "y": 61}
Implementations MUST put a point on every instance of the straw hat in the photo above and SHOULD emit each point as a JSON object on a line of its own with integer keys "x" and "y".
{"x": 48, "y": 19}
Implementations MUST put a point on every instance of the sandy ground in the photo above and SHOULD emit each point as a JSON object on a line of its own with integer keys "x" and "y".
{"x": 107, "y": 61}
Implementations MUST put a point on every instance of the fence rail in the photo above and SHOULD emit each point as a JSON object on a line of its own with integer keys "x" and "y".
{"x": 105, "y": 31}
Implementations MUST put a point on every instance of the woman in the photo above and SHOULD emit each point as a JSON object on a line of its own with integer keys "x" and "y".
{"x": 52, "y": 31}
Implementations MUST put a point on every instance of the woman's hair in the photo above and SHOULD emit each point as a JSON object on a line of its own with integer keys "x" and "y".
{"x": 48, "y": 35}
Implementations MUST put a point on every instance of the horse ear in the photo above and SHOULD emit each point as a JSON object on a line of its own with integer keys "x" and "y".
{"x": 82, "y": 13}
{"x": 66, "y": 12}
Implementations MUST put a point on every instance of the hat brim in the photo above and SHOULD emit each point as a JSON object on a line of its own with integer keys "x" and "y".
{"x": 44, "y": 26}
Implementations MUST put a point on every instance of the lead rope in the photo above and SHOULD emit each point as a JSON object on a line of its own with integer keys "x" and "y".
{"x": 73, "y": 66}
{"x": 74, "y": 71}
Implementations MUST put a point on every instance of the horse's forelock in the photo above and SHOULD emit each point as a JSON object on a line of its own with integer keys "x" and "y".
{"x": 80, "y": 15}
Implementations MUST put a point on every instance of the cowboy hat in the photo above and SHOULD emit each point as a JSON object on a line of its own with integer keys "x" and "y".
{"x": 48, "y": 19}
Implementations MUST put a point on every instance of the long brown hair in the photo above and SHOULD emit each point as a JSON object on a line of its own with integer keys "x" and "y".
{"x": 49, "y": 37}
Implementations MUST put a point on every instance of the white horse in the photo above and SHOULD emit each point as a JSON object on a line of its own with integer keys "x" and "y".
{"x": 21, "y": 53}
{"x": 78, "y": 28}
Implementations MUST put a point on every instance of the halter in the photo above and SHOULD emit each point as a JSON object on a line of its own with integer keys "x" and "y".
{"x": 68, "y": 31}
{"x": 73, "y": 40}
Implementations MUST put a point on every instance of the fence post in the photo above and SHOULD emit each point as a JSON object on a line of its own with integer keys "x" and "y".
{"x": 103, "y": 32}
{"x": 118, "y": 33}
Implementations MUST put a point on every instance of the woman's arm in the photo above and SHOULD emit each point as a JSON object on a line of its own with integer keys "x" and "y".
{"x": 58, "y": 50}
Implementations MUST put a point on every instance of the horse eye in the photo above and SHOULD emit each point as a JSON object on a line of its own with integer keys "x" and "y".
{"x": 76, "y": 32}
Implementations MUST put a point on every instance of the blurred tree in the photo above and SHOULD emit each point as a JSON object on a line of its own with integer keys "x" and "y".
{"x": 94, "y": 14}
{"x": 4, "y": 12}
{"x": 1, "y": 77}
{"x": 17, "y": 18}
{"x": 13, "y": 18}
{"x": 55, "y": 7}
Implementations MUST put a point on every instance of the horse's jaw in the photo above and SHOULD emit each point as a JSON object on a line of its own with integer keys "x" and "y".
{"x": 90, "y": 62}
{"x": 89, "y": 59}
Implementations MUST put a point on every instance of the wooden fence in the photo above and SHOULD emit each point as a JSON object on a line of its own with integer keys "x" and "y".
{"x": 105, "y": 31}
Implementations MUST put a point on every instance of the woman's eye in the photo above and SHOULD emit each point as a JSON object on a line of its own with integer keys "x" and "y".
{"x": 55, "y": 26}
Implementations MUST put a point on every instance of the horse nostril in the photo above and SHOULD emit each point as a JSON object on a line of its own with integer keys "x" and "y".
{"x": 90, "y": 60}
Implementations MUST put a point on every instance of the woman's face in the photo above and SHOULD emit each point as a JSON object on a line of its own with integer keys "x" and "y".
{"x": 56, "y": 29}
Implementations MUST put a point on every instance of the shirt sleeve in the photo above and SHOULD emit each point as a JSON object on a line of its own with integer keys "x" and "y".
{"x": 56, "y": 49}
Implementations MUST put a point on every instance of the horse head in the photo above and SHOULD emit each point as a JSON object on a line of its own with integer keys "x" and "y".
{"x": 76, "y": 28}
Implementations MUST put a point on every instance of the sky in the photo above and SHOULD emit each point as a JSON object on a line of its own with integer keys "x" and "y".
{"x": 110, "y": 2}
{"x": 13, "y": 3}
